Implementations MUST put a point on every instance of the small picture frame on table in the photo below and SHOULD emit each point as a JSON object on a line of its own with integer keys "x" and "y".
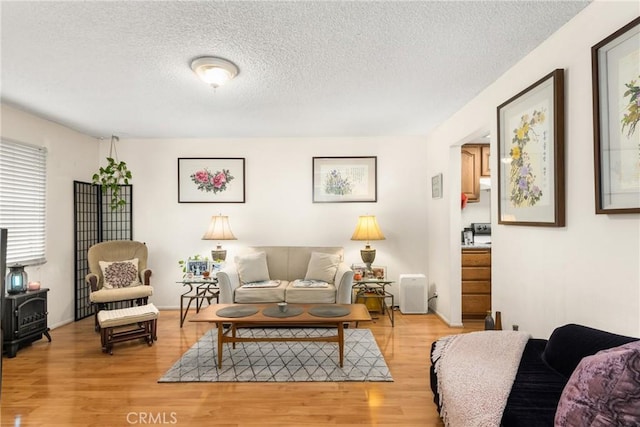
{"x": 197, "y": 267}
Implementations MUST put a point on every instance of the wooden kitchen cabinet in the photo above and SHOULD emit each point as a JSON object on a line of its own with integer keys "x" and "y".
{"x": 476, "y": 283}
{"x": 485, "y": 166}
{"x": 470, "y": 159}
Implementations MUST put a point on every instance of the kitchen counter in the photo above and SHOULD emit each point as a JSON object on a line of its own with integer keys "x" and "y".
{"x": 476, "y": 246}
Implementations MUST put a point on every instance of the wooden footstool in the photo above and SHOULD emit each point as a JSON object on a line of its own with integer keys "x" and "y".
{"x": 126, "y": 324}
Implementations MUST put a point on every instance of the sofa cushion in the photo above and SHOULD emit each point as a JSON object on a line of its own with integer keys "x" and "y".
{"x": 322, "y": 267}
{"x": 120, "y": 274}
{"x": 252, "y": 267}
{"x": 603, "y": 390}
{"x": 307, "y": 295}
{"x": 570, "y": 343}
{"x": 250, "y": 295}
{"x": 535, "y": 391}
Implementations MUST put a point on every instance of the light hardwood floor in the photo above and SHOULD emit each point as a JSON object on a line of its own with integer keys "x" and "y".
{"x": 70, "y": 382}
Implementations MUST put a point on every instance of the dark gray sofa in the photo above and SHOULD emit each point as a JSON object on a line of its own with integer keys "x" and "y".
{"x": 544, "y": 370}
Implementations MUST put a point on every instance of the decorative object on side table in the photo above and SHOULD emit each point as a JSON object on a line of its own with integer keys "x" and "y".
{"x": 16, "y": 279}
{"x": 367, "y": 229}
{"x": 489, "y": 324}
{"x": 531, "y": 153}
{"x": 219, "y": 229}
{"x": 616, "y": 114}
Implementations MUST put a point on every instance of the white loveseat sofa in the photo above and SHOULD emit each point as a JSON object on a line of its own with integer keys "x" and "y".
{"x": 287, "y": 273}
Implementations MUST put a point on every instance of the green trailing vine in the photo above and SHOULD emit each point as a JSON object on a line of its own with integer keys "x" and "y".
{"x": 112, "y": 176}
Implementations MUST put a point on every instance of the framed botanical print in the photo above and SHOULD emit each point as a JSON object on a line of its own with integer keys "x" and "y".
{"x": 211, "y": 180}
{"x": 531, "y": 153}
{"x": 345, "y": 179}
{"x": 616, "y": 113}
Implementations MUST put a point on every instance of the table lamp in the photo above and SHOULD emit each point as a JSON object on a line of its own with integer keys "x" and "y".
{"x": 367, "y": 229}
{"x": 219, "y": 229}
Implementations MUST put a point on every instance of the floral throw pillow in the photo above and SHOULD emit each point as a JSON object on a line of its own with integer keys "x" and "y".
{"x": 604, "y": 390}
{"x": 120, "y": 274}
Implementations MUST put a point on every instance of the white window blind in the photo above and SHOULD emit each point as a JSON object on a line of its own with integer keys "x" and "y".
{"x": 23, "y": 182}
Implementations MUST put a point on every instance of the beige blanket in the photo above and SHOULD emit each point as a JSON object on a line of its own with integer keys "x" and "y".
{"x": 475, "y": 375}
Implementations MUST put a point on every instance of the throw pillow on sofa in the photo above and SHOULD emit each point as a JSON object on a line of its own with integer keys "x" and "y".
{"x": 252, "y": 267}
{"x": 322, "y": 267}
{"x": 603, "y": 390}
{"x": 120, "y": 274}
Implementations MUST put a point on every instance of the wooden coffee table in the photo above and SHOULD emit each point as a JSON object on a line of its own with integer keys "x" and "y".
{"x": 356, "y": 313}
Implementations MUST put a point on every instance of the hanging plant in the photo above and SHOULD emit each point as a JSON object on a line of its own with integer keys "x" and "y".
{"x": 112, "y": 176}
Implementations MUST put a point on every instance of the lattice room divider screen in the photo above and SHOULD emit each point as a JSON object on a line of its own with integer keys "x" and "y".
{"x": 95, "y": 222}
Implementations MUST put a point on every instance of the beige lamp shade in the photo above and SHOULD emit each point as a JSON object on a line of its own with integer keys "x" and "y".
{"x": 367, "y": 229}
{"x": 219, "y": 229}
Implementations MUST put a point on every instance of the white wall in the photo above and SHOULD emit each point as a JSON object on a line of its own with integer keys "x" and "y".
{"x": 278, "y": 208}
{"x": 71, "y": 156}
{"x": 543, "y": 277}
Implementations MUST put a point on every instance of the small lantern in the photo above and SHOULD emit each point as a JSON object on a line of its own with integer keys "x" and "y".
{"x": 16, "y": 279}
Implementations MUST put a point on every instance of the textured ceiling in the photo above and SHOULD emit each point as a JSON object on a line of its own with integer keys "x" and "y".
{"x": 307, "y": 68}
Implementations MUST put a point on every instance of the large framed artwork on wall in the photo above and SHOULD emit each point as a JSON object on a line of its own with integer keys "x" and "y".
{"x": 211, "y": 180}
{"x": 344, "y": 179}
{"x": 531, "y": 155}
{"x": 616, "y": 112}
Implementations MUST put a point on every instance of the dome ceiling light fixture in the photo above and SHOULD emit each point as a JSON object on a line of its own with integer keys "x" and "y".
{"x": 214, "y": 71}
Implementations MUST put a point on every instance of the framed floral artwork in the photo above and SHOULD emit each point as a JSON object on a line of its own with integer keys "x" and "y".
{"x": 211, "y": 180}
{"x": 531, "y": 153}
{"x": 344, "y": 179}
{"x": 616, "y": 113}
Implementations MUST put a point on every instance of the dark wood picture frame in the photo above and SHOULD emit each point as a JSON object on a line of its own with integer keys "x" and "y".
{"x": 615, "y": 65}
{"x": 530, "y": 164}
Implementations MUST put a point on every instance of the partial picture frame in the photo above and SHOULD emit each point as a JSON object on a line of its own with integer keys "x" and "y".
{"x": 436, "y": 186}
{"x": 531, "y": 176}
{"x": 345, "y": 179}
{"x": 211, "y": 180}
{"x": 196, "y": 267}
{"x": 615, "y": 65}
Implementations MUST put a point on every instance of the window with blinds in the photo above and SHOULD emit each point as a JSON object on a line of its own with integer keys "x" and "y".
{"x": 23, "y": 179}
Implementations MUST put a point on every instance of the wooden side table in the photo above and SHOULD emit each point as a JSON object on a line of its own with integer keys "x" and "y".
{"x": 198, "y": 289}
{"x": 375, "y": 289}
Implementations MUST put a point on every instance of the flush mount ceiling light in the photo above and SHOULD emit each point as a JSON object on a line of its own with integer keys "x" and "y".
{"x": 214, "y": 71}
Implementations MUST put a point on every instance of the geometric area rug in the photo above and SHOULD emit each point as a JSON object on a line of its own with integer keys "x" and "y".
{"x": 282, "y": 361}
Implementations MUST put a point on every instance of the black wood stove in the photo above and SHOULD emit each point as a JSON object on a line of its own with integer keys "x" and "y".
{"x": 24, "y": 319}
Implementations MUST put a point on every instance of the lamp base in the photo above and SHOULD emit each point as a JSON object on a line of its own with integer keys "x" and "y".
{"x": 368, "y": 255}
{"x": 219, "y": 254}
